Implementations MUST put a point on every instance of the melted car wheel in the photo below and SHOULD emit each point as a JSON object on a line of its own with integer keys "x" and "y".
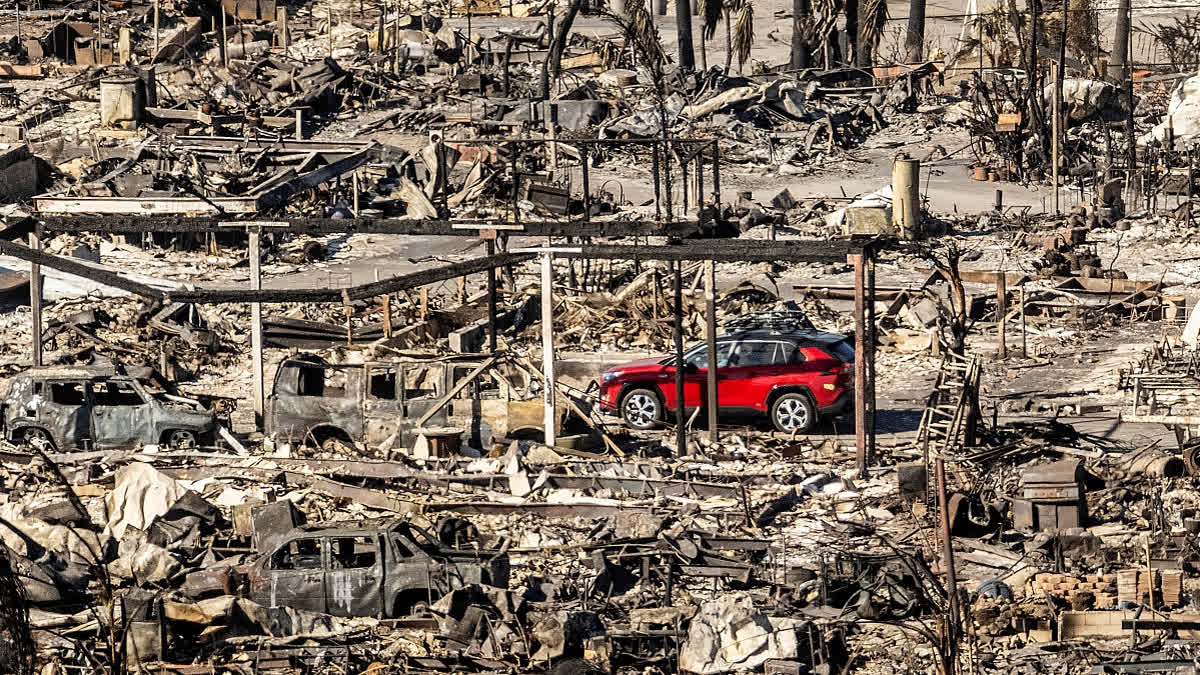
{"x": 641, "y": 409}
{"x": 33, "y": 437}
{"x": 181, "y": 439}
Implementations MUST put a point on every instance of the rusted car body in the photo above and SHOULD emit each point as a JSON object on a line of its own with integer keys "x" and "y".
{"x": 98, "y": 407}
{"x": 385, "y": 568}
{"x": 313, "y": 401}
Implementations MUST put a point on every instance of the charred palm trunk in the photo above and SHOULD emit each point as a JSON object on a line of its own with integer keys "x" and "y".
{"x": 852, "y": 31}
{"x": 914, "y": 40}
{"x": 683, "y": 27}
{"x": 801, "y": 12}
{"x": 553, "y": 62}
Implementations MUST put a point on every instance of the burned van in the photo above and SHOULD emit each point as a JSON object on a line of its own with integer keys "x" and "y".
{"x": 314, "y": 402}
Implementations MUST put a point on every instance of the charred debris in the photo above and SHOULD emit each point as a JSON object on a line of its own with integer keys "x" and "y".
{"x": 562, "y": 337}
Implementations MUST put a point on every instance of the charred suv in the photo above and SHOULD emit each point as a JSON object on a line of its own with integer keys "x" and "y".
{"x": 389, "y": 568}
{"x": 85, "y": 407}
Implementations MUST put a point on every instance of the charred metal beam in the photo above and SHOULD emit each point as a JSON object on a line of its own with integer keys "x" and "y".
{"x": 214, "y": 296}
{"x": 361, "y": 292}
{"x": 410, "y": 226}
{"x": 78, "y": 269}
{"x": 733, "y": 250}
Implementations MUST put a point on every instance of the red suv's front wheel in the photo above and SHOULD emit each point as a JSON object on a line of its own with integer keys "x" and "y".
{"x": 641, "y": 409}
{"x": 793, "y": 413}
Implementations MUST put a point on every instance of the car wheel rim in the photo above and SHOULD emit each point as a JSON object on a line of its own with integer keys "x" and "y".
{"x": 791, "y": 414}
{"x": 640, "y": 410}
{"x": 181, "y": 439}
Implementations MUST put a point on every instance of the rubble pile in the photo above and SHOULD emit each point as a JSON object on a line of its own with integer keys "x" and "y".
{"x": 542, "y": 337}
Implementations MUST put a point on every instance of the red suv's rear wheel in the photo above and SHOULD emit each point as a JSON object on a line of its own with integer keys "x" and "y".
{"x": 793, "y": 413}
{"x": 641, "y": 409}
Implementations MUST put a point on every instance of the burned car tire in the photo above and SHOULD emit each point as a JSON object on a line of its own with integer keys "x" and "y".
{"x": 641, "y": 409}
{"x": 180, "y": 439}
{"x": 31, "y": 437}
{"x": 793, "y": 413}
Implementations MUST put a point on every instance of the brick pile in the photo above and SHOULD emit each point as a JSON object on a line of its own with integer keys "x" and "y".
{"x": 1101, "y": 587}
{"x": 1134, "y": 586}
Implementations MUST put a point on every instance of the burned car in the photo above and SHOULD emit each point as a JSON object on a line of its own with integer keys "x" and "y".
{"x": 315, "y": 402}
{"x": 387, "y": 567}
{"x": 103, "y": 407}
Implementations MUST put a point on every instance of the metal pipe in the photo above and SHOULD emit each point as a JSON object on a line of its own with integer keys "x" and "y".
{"x": 491, "y": 305}
{"x": 548, "y": 381}
{"x": 35, "y": 300}
{"x": 860, "y": 370}
{"x": 710, "y": 338}
{"x": 951, "y": 658}
{"x": 680, "y": 420}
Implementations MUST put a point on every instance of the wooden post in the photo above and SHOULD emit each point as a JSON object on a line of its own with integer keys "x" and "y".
{"x": 870, "y": 349}
{"x": 423, "y": 310}
{"x": 281, "y": 28}
{"x": 123, "y": 45}
{"x": 950, "y": 659}
{"x": 1024, "y": 345}
{"x": 1001, "y": 312}
{"x": 379, "y": 42}
{"x": 860, "y": 371}
{"x": 386, "y": 310}
{"x": 299, "y": 124}
{"x": 256, "y": 338}
{"x": 354, "y": 180}
{"x": 462, "y": 290}
{"x": 330, "y": 6}
{"x": 491, "y": 288}
{"x": 680, "y": 417}
{"x": 710, "y": 337}
{"x": 155, "y": 54}
{"x": 224, "y": 45}
{"x": 35, "y": 299}
{"x": 548, "y": 345}
{"x": 1057, "y": 67}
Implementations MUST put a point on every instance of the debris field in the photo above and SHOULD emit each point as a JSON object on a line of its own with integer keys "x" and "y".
{"x": 599, "y": 336}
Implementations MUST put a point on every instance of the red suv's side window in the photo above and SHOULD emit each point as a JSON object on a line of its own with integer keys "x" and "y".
{"x": 754, "y": 353}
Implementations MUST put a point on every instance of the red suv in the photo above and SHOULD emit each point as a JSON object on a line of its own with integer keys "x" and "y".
{"x": 794, "y": 377}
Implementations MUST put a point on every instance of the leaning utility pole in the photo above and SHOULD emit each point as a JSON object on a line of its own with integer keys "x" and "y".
{"x": 914, "y": 40}
{"x": 801, "y": 10}
{"x": 683, "y": 29}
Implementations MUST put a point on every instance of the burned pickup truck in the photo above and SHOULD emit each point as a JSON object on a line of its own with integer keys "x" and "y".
{"x": 314, "y": 402}
{"x": 105, "y": 407}
{"x": 389, "y": 568}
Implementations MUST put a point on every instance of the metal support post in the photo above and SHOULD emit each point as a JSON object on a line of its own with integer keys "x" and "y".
{"x": 491, "y": 291}
{"x": 256, "y": 338}
{"x": 680, "y": 418}
{"x": 1001, "y": 312}
{"x": 710, "y": 338}
{"x": 548, "y": 345}
{"x": 35, "y": 300}
{"x": 860, "y": 357}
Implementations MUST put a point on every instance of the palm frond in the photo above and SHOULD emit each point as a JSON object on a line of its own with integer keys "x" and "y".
{"x": 743, "y": 33}
{"x": 876, "y": 18}
{"x": 711, "y": 11}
